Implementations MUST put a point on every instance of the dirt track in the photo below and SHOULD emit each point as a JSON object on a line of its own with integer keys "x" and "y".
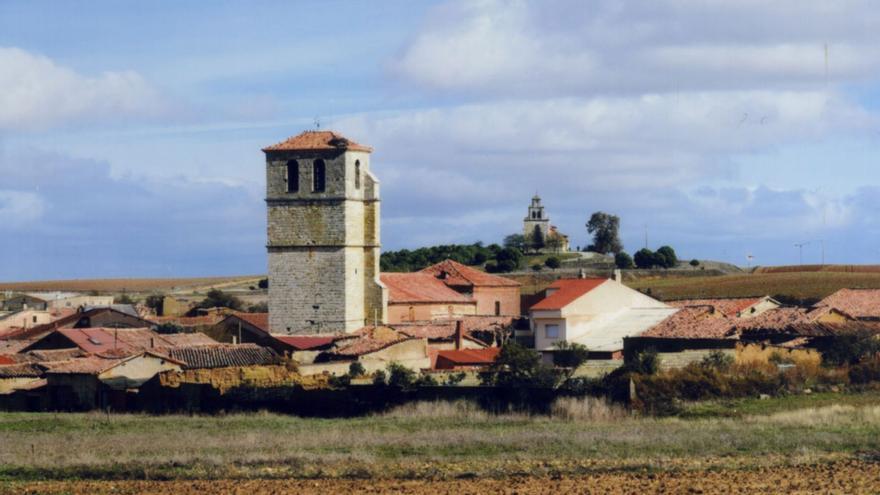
{"x": 841, "y": 477}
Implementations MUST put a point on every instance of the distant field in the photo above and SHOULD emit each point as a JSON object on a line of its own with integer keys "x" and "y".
{"x": 819, "y": 268}
{"x": 800, "y": 285}
{"x": 130, "y": 284}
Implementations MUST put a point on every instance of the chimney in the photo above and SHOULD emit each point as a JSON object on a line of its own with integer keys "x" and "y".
{"x": 152, "y": 342}
{"x": 459, "y": 335}
{"x": 618, "y": 275}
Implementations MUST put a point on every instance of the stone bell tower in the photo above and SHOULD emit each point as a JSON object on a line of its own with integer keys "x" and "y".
{"x": 536, "y": 218}
{"x": 323, "y": 235}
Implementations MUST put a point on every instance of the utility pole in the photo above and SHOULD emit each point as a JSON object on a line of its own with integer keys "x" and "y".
{"x": 800, "y": 246}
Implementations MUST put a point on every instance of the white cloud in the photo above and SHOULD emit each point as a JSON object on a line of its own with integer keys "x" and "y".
{"x": 521, "y": 48}
{"x": 37, "y": 93}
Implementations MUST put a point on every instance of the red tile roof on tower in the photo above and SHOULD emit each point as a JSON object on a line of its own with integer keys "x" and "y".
{"x": 566, "y": 291}
{"x": 456, "y": 274}
{"x": 728, "y": 307}
{"x": 419, "y": 288}
{"x": 858, "y": 303}
{"x": 317, "y": 141}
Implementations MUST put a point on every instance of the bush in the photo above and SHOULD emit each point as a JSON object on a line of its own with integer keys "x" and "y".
{"x": 123, "y": 299}
{"x": 865, "y": 372}
{"x": 518, "y": 367}
{"x": 425, "y": 380}
{"x": 154, "y": 302}
{"x": 506, "y": 266}
{"x": 552, "y": 262}
{"x": 216, "y": 298}
{"x": 665, "y": 257}
{"x": 850, "y": 348}
{"x": 341, "y": 381}
{"x": 645, "y": 363}
{"x": 262, "y": 307}
{"x": 356, "y": 369}
{"x": 718, "y": 360}
{"x": 644, "y": 258}
{"x": 695, "y": 263}
{"x": 263, "y": 283}
{"x": 400, "y": 376}
{"x": 537, "y": 267}
{"x": 169, "y": 328}
{"x": 379, "y": 378}
{"x": 570, "y": 356}
{"x": 455, "y": 378}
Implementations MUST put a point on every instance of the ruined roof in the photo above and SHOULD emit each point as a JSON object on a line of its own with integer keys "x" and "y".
{"x": 224, "y": 355}
{"x": 369, "y": 339}
{"x": 858, "y": 303}
{"x": 91, "y": 365}
{"x": 728, "y": 307}
{"x": 456, "y": 274}
{"x": 470, "y": 357}
{"x": 306, "y": 342}
{"x": 693, "y": 322}
{"x": 420, "y": 288}
{"x": 317, "y": 141}
{"x": 46, "y": 356}
{"x": 567, "y": 290}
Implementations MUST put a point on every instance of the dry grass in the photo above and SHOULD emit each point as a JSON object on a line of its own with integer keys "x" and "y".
{"x": 421, "y": 440}
{"x": 128, "y": 284}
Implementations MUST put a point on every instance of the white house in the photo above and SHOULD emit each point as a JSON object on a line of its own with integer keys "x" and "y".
{"x": 595, "y": 312}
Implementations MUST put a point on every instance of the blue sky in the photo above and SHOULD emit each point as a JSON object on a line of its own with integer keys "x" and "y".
{"x": 130, "y": 131}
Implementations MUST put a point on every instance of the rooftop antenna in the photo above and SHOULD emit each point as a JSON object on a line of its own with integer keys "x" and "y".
{"x": 317, "y": 123}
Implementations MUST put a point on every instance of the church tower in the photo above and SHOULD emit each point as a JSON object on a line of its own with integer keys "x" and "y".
{"x": 536, "y": 218}
{"x": 323, "y": 235}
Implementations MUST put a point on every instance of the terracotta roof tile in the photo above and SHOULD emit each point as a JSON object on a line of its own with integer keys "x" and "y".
{"x": 258, "y": 320}
{"x": 68, "y": 322}
{"x": 728, "y": 307}
{"x": 566, "y": 291}
{"x": 92, "y": 365}
{"x": 224, "y": 356}
{"x": 456, "y": 274}
{"x": 317, "y": 141}
{"x": 181, "y": 339}
{"x": 858, "y": 303}
{"x": 420, "y": 288}
{"x": 693, "y": 322}
{"x": 368, "y": 340}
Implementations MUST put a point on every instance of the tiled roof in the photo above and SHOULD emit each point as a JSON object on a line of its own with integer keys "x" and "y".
{"x": 47, "y": 356}
{"x": 567, "y": 290}
{"x": 368, "y": 340}
{"x": 258, "y": 320}
{"x": 456, "y": 274}
{"x": 306, "y": 342}
{"x": 69, "y": 321}
{"x": 14, "y": 346}
{"x": 26, "y": 370}
{"x": 91, "y": 365}
{"x": 317, "y": 141}
{"x": 224, "y": 355}
{"x": 420, "y": 288}
{"x": 728, "y": 307}
{"x": 6, "y": 360}
{"x": 445, "y": 329}
{"x": 180, "y": 339}
{"x": 470, "y": 357}
{"x": 127, "y": 340}
{"x": 190, "y": 321}
{"x": 693, "y": 322}
{"x": 858, "y": 303}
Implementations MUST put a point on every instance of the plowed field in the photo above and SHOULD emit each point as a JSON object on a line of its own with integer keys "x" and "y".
{"x": 841, "y": 477}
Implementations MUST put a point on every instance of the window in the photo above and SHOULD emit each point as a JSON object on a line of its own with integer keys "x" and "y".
{"x": 292, "y": 177}
{"x": 357, "y": 174}
{"x": 319, "y": 171}
{"x": 497, "y": 308}
{"x": 551, "y": 331}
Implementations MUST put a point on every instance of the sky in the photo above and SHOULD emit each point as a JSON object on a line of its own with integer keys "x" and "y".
{"x": 130, "y": 132}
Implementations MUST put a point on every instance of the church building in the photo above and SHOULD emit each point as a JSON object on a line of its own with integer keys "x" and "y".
{"x": 539, "y": 234}
{"x": 323, "y": 236}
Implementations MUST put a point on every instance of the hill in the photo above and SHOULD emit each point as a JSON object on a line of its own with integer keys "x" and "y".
{"x": 786, "y": 284}
{"x": 119, "y": 285}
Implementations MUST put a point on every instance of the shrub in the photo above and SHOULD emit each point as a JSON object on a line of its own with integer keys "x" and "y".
{"x": 718, "y": 360}
{"x": 570, "y": 356}
{"x": 850, "y": 348}
{"x": 425, "y": 380}
{"x": 263, "y": 283}
{"x": 518, "y": 367}
{"x": 455, "y": 378}
{"x": 123, "y": 299}
{"x": 552, "y": 262}
{"x": 400, "y": 376}
{"x": 537, "y": 267}
{"x": 169, "y": 328}
{"x": 695, "y": 263}
{"x": 865, "y": 372}
{"x": 356, "y": 369}
{"x": 341, "y": 381}
{"x": 645, "y": 363}
{"x": 379, "y": 378}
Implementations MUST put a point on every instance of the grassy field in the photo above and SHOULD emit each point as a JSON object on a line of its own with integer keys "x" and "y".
{"x": 800, "y": 285}
{"x": 119, "y": 285}
{"x": 434, "y": 441}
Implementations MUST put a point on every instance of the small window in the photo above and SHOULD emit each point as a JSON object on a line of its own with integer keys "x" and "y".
{"x": 319, "y": 176}
{"x": 292, "y": 176}
{"x": 551, "y": 331}
{"x": 497, "y": 308}
{"x": 357, "y": 174}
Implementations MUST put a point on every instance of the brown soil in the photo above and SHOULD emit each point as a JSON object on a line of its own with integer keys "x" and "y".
{"x": 840, "y": 477}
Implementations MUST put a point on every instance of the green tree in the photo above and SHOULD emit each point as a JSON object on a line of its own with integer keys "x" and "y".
{"x": 356, "y": 369}
{"x": 695, "y": 263}
{"x": 216, "y": 298}
{"x": 537, "y": 267}
{"x": 400, "y": 376}
{"x": 605, "y": 229}
{"x": 263, "y": 283}
{"x": 123, "y": 299}
{"x": 154, "y": 302}
{"x": 666, "y": 257}
{"x": 553, "y": 242}
{"x": 537, "y": 238}
{"x": 517, "y": 367}
{"x": 623, "y": 261}
{"x": 552, "y": 262}
{"x": 644, "y": 258}
{"x": 515, "y": 241}
{"x": 570, "y": 356}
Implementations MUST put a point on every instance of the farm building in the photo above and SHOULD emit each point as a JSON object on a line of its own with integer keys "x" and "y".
{"x": 594, "y": 312}
{"x": 54, "y": 300}
{"x": 494, "y": 295}
{"x": 374, "y": 348}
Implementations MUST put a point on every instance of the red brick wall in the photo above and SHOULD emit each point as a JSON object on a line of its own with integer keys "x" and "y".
{"x": 507, "y": 296}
